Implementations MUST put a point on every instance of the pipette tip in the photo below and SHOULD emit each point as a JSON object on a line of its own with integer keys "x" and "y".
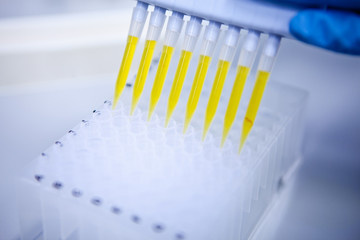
{"x": 224, "y": 136}
{"x": 167, "y": 121}
{"x": 151, "y": 111}
{"x": 186, "y": 125}
{"x": 114, "y": 105}
{"x": 242, "y": 141}
{"x": 223, "y": 139}
{"x": 206, "y": 129}
{"x": 245, "y": 132}
{"x": 149, "y": 115}
{"x": 169, "y": 113}
{"x": 115, "y": 100}
{"x": 203, "y": 136}
{"x": 133, "y": 106}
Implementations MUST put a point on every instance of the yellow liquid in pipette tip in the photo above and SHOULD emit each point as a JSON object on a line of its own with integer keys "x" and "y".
{"x": 255, "y": 100}
{"x": 142, "y": 72}
{"x": 222, "y": 70}
{"x": 202, "y": 68}
{"x": 178, "y": 83}
{"x": 125, "y": 67}
{"x": 160, "y": 78}
{"x": 234, "y": 101}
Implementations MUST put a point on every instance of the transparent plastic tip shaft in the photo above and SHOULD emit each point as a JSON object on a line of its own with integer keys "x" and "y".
{"x": 226, "y": 56}
{"x": 136, "y": 27}
{"x": 265, "y": 66}
{"x": 246, "y": 59}
{"x": 191, "y": 35}
{"x": 173, "y": 30}
{"x": 156, "y": 24}
{"x": 207, "y": 49}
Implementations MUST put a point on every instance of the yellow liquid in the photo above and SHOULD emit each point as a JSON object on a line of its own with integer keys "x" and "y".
{"x": 178, "y": 83}
{"x": 222, "y": 70}
{"x": 238, "y": 87}
{"x": 258, "y": 91}
{"x": 142, "y": 72}
{"x": 202, "y": 68}
{"x": 125, "y": 67}
{"x": 160, "y": 78}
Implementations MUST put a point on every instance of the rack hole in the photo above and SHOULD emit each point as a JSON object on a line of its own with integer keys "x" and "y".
{"x": 115, "y": 210}
{"x": 179, "y": 236}
{"x": 57, "y": 185}
{"x": 39, "y": 177}
{"x": 108, "y": 103}
{"x": 136, "y": 219}
{"x": 76, "y": 193}
{"x": 96, "y": 201}
{"x": 72, "y": 132}
{"x": 158, "y": 228}
{"x": 85, "y": 122}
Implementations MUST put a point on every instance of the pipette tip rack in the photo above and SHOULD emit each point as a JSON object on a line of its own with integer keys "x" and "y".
{"x": 116, "y": 176}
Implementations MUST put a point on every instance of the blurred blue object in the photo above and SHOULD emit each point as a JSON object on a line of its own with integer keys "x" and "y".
{"x": 329, "y": 24}
{"x": 330, "y": 29}
{"x": 343, "y": 4}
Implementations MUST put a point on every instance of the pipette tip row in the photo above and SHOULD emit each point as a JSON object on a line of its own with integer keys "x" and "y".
{"x": 210, "y": 38}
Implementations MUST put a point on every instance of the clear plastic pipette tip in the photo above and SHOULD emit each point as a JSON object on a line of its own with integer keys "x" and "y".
{"x": 265, "y": 67}
{"x": 246, "y": 59}
{"x": 207, "y": 49}
{"x": 191, "y": 35}
{"x": 156, "y": 23}
{"x": 136, "y": 27}
{"x": 173, "y": 30}
{"x": 226, "y": 56}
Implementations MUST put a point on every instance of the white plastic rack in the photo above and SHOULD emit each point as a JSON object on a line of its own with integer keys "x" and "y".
{"x": 116, "y": 176}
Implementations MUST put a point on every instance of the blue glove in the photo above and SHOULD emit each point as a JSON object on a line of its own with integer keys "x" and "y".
{"x": 335, "y": 30}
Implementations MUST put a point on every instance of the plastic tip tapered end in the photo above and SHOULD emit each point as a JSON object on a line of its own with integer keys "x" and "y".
{"x": 223, "y": 139}
{"x": 168, "y": 116}
{"x": 133, "y": 106}
{"x": 204, "y": 135}
{"x": 206, "y": 129}
{"x": 185, "y": 128}
{"x": 151, "y": 111}
{"x": 245, "y": 132}
{"x": 242, "y": 141}
{"x": 116, "y": 98}
{"x": 113, "y": 106}
{"x": 186, "y": 125}
{"x": 167, "y": 121}
{"x": 134, "y": 102}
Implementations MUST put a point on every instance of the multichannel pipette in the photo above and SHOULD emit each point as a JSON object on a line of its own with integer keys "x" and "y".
{"x": 257, "y": 17}
{"x": 173, "y": 30}
{"x": 156, "y": 24}
{"x": 246, "y": 59}
{"x": 136, "y": 27}
{"x": 207, "y": 49}
{"x": 191, "y": 35}
{"x": 265, "y": 66}
{"x": 225, "y": 58}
